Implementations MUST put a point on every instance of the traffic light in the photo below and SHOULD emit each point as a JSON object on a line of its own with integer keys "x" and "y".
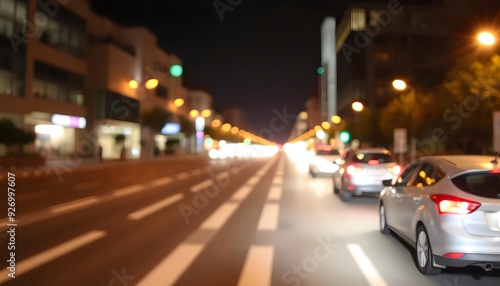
{"x": 176, "y": 70}
{"x": 345, "y": 136}
{"x": 320, "y": 70}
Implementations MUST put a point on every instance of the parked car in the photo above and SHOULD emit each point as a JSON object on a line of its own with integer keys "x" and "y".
{"x": 362, "y": 171}
{"x": 323, "y": 160}
{"x": 448, "y": 209}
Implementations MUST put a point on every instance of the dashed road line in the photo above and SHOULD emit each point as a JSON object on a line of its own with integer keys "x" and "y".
{"x": 46, "y": 256}
{"x": 369, "y": 271}
{"x": 72, "y": 205}
{"x": 128, "y": 190}
{"x": 269, "y": 217}
{"x": 258, "y": 266}
{"x": 175, "y": 264}
{"x": 146, "y": 211}
{"x": 203, "y": 185}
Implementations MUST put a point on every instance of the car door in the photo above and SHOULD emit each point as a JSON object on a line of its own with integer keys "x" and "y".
{"x": 394, "y": 203}
{"x": 412, "y": 195}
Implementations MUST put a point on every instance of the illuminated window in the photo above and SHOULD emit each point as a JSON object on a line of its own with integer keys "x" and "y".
{"x": 358, "y": 19}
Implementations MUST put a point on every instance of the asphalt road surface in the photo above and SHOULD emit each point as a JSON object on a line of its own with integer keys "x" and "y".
{"x": 197, "y": 221}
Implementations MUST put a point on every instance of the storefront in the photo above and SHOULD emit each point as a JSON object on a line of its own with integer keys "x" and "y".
{"x": 55, "y": 133}
{"x": 115, "y": 136}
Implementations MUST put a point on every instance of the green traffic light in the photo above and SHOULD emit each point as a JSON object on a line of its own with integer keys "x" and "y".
{"x": 176, "y": 70}
{"x": 320, "y": 70}
{"x": 345, "y": 136}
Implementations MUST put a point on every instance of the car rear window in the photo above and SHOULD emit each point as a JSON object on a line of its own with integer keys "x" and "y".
{"x": 327, "y": 152}
{"x": 370, "y": 157}
{"x": 480, "y": 184}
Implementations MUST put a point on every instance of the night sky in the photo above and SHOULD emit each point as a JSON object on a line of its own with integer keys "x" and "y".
{"x": 261, "y": 56}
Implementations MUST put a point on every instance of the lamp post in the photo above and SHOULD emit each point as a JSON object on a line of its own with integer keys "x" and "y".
{"x": 199, "y": 121}
{"x": 401, "y": 85}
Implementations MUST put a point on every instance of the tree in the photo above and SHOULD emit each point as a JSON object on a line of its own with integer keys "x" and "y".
{"x": 411, "y": 110}
{"x": 155, "y": 118}
{"x": 472, "y": 87}
{"x": 10, "y": 135}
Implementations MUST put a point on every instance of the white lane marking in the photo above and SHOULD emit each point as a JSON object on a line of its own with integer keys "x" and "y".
{"x": 278, "y": 180}
{"x": 172, "y": 267}
{"x": 53, "y": 253}
{"x": 258, "y": 266}
{"x": 196, "y": 172}
{"x": 269, "y": 217}
{"x": 220, "y": 216}
{"x": 200, "y": 186}
{"x": 161, "y": 181}
{"x": 182, "y": 176}
{"x": 254, "y": 179}
{"x": 137, "y": 215}
{"x": 275, "y": 193}
{"x": 76, "y": 204}
{"x": 87, "y": 185}
{"x": 222, "y": 176}
{"x": 242, "y": 192}
{"x": 369, "y": 271}
{"x": 128, "y": 190}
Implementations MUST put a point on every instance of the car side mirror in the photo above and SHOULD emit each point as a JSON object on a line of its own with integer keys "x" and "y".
{"x": 387, "y": 183}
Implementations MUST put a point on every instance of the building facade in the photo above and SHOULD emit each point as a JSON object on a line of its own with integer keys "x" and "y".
{"x": 377, "y": 43}
{"x": 78, "y": 80}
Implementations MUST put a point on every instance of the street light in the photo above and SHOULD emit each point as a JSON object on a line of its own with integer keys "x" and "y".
{"x": 357, "y": 106}
{"x": 149, "y": 84}
{"x": 178, "y": 102}
{"x": 336, "y": 119}
{"x": 486, "y": 38}
{"x": 399, "y": 84}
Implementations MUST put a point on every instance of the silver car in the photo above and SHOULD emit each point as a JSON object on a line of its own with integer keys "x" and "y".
{"x": 448, "y": 209}
{"x": 362, "y": 172}
{"x": 324, "y": 161}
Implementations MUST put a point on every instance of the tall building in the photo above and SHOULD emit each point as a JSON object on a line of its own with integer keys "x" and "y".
{"x": 79, "y": 80}
{"x": 377, "y": 43}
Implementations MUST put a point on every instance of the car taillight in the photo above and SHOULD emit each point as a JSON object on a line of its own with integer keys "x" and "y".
{"x": 454, "y": 205}
{"x": 352, "y": 170}
{"x": 373, "y": 162}
{"x": 394, "y": 170}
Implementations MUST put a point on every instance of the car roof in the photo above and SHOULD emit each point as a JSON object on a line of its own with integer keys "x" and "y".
{"x": 455, "y": 165}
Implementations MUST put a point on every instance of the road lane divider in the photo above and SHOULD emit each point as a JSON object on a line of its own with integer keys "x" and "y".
{"x": 161, "y": 181}
{"x": 182, "y": 176}
{"x": 171, "y": 268}
{"x": 369, "y": 271}
{"x": 203, "y": 185}
{"x": 258, "y": 266}
{"x": 220, "y": 216}
{"x": 275, "y": 193}
{"x": 128, "y": 190}
{"x": 73, "y": 205}
{"x": 269, "y": 217}
{"x": 146, "y": 211}
{"x": 47, "y": 256}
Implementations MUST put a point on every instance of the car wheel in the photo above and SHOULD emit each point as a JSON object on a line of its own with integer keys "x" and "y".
{"x": 311, "y": 171}
{"x": 384, "y": 228}
{"x": 335, "y": 189}
{"x": 423, "y": 252}
{"x": 345, "y": 195}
